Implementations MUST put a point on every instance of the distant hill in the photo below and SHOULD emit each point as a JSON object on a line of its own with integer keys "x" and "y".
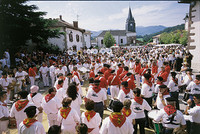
{"x": 140, "y": 30}
{"x": 167, "y": 30}
{"x": 149, "y": 30}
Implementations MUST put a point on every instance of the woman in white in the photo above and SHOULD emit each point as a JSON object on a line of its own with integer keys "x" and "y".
{"x": 72, "y": 92}
{"x": 36, "y": 98}
{"x": 91, "y": 118}
{"x": 68, "y": 117}
{"x": 125, "y": 92}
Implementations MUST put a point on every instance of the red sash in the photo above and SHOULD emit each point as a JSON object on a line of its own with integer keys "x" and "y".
{"x": 48, "y": 97}
{"x": 175, "y": 81}
{"x": 28, "y": 122}
{"x": 96, "y": 88}
{"x": 4, "y": 104}
{"x": 160, "y": 83}
{"x": 166, "y": 92}
{"x": 20, "y": 104}
{"x": 126, "y": 90}
{"x": 126, "y": 112}
{"x": 58, "y": 86}
{"x": 139, "y": 100}
{"x": 148, "y": 83}
{"x": 169, "y": 109}
{"x": 90, "y": 130}
{"x": 89, "y": 115}
{"x": 64, "y": 112}
{"x": 117, "y": 119}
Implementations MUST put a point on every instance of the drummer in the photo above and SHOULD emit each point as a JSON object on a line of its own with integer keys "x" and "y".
{"x": 171, "y": 117}
{"x": 195, "y": 113}
{"x": 162, "y": 95}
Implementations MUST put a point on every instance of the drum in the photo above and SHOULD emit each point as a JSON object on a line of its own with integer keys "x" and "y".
{"x": 12, "y": 123}
{"x": 157, "y": 126}
{"x": 37, "y": 78}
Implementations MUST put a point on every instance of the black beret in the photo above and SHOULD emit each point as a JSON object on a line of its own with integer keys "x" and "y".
{"x": 113, "y": 71}
{"x": 96, "y": 81}
{"x": 162, "y": 86}
{"x": 198, "y": 77}
{"x": 173, "y": 73}
{"x": 100, "y": 72}
{"x": 129, "y": 73}
{"x": 30, "y": 109}
{"x": 169, "y": 99}
{"x": 119, "y": 64}
{"x": 69, "y": 74}
{"x": 147, "y": 76}
{"x": 124, "y": 83}
{"x": 160, "y": 78}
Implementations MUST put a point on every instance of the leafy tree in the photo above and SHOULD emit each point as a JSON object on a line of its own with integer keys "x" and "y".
{"x": 183, "y": 38}
{"x": 108, "y": 40}
{"x": 20, "y": 22}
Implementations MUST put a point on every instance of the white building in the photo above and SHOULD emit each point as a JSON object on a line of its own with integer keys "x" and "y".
{"x": 122, "y": 37}
{"x": 73, "y": 37}
{"x": 193, "y": 29}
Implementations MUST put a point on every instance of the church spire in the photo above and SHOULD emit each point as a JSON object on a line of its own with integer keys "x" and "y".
{"x": 130, "y": 22}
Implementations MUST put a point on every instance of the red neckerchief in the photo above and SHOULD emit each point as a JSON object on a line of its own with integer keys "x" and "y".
{"x": 58, "y": 86}
{"x": 176, "y": 81}
{"x": 20, "y": 104}
{"x": 90, "y": 114}
{"x": 28, "y": 122}
{"x": 197, "y": 104}
{"x": 159, "y": 82}
{"x": 96, "y": 88}
{"x": 126, "y": 112}
{"x": 169, "y": 109}
{"x": 62, "y": 77}
{"x": 48, "y": 97}
{"x": 31, "y": 95}
{"x": 166, "y": 92}
{"x": 117, "y": 119}
{"x": 197, "y": 82}
{"x": 126, "y": 90}
{"x": 4, "y": 104}
{"x": 64, "y": 112}
{"x": 148, "y": 82}
{"x": 139, "y": 100}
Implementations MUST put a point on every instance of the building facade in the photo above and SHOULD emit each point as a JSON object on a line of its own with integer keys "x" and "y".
{"x": 122, "y": 37}
{"x": 73, "y": 37}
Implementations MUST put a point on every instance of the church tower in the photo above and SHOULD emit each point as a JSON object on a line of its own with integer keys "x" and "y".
{"x": 130, "y": 22}
{"x": 130, "y": 29}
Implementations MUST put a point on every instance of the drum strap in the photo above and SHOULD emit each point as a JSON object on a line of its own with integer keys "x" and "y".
{"x": 113, "y": 79}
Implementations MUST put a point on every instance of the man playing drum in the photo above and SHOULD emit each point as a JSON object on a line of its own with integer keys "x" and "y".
{"x": 171, "y": 117}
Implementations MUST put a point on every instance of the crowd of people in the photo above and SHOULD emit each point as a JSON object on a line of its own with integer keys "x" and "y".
{"x": 131, "y": 83}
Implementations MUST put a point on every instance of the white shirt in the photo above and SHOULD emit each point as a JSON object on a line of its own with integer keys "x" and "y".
{"x": 187, "y": 80}
{"x": 52, "y": 106}
{"x": 36, "y": 100}
{"x": 173, "y": 87}
{"x": 194, "y": 89}
{"x": 156, "y": 89}
{"x": 139, "y": 109}
{"x": 4, "y": 82}
{"x": 159, "y": 101}
{"x": 52, "y": 70}
{"x": 96, "y": 97}
{"x": 22, "y": 74}
{"x": 93, "y": 123}
{"x": 60, "y": 94}
{"x": 108, "y": 127}
{"x": 59, "y": 71}
{"x": 122, "y": 96}
{"x": 44, "y": 70}
{"x": 69, "y": 124}
{"x": 19, "y": 115}
{"x": 4, "y": 112}
{"x": 146, "y": 90}
{"x": 178, "y": 119}
{"x": 35, "y": 128}
{"x": 195, "y": 113}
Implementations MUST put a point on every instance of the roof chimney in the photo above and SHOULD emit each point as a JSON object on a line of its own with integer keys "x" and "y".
{"x": 60, "y": 17}
{"x": 75, "y": 23}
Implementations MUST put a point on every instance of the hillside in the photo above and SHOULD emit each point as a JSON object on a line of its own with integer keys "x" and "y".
{"x": 167, "y": 30}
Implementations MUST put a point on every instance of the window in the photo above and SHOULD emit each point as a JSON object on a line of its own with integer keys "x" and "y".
{"x": 102, "y": 41}
{"x": 121, "y": 40}
{"x": 77, "y": 38}
{"x": 71, "y": 37}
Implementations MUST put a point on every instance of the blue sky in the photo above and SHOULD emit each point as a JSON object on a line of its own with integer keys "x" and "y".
{"x": 112, "y": 15}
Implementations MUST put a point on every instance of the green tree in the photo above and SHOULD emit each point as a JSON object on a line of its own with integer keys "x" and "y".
{"x": 20, "y": 22}
{"x": 109, "y": 40}
{"x": 165, "y": 38}
{"x": 183, "y": 38}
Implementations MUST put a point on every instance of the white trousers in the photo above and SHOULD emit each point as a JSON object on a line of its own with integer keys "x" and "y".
{"x": 137, "y": 77}
{"x": 45, "y": 80}
{"x": 4, "y": 127}
{"x": 52, "y": 119}
{"x": 52, "y": 79}
{"x": 32, "y": 79}
{"x": 114, "y": 91}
